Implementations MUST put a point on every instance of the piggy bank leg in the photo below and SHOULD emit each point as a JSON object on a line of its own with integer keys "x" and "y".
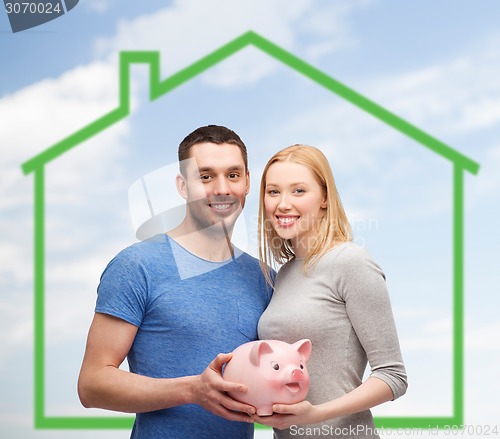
{"x": 265, "y": 411}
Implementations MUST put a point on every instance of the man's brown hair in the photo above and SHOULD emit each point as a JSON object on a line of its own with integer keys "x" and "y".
{"x": 213, "y": 134}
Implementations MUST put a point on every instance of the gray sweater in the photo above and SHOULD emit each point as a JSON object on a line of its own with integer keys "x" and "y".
{"x": 342, "y": 305}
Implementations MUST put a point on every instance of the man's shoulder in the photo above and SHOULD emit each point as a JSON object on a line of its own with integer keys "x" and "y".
{"x": 247, "y": 256}
{"x": 143, "y": 250}
{"x": 246, "y": 259}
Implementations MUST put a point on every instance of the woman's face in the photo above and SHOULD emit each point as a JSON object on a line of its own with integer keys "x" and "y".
{"x": 293, "y": 202}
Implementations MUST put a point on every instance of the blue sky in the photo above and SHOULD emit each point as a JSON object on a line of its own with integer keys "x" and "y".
{"x": 434, "y": 63}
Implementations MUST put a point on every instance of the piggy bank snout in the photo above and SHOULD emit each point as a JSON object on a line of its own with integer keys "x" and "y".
{"x": 297, "y": 381}
{"x": 298, "y": 375}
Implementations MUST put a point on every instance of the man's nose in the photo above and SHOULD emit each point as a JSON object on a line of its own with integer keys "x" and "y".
{"x": 221, "y": 186}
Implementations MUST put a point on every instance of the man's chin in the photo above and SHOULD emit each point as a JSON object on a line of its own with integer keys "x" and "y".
{"x": 225, "y": 222}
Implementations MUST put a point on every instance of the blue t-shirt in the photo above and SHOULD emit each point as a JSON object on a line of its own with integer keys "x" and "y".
{"x": 187, "y": 311}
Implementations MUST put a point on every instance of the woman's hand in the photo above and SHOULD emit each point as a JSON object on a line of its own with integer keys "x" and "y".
{"x": 372, "y": 392}
{"x": 294, "y": 414}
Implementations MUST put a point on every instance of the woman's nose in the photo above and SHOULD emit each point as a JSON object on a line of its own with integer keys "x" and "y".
{"x": 284, "y": 204}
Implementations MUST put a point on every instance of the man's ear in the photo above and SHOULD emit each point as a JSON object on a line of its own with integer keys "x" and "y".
{"x": 180, "y": 183}
{"x": 248, "y": 183}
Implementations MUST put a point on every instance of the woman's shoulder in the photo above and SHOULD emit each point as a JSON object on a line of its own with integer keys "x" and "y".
{"x": 351, "y": 260}
{"x": 346, "y": 253}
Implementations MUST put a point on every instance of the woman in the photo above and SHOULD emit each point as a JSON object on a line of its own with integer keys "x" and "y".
{"x": 330, "y": 291}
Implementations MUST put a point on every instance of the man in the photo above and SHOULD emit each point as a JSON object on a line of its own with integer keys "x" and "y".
{"x": 173, "y": 303}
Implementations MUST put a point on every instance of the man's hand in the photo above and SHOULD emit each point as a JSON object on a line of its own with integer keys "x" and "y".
{"x": 209, "y": 392}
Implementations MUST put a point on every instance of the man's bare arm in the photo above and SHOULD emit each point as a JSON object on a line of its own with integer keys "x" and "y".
{"x": 102, "y": 384}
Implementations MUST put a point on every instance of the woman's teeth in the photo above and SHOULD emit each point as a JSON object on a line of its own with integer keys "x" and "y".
{"x": 287, "y": 220}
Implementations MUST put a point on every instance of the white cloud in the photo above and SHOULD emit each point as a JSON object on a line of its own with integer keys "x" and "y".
{"x": 33, "y": 119}
{"x": 485, "y": 187}
{"x": 99, "y": 6}
{"x": 20, "y": 328}
{"x": 483, "y": 338}
{"x": 41, "y": 114}
{"x": 342, "y": 131}
{"x": 44, "y": 113}
{"x": 454, "y": 97}
{"x": 457, "y": 101}
{"x": 431, "y": 336}
{"x": 423, "y": 329}
{"x": 10, "y": 257}
{"x": 332, "y": 26}
{"x": 188, "y": 30}
{"x": 245, "y": 67}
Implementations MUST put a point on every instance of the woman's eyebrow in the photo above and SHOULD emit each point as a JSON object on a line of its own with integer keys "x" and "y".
{"x": 291, "y": 184}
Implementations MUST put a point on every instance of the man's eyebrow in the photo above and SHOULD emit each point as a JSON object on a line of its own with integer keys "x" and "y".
{"x": 236, "y": 168}
{"x": 205, "y": 169}
{"x": 231, "y": 168}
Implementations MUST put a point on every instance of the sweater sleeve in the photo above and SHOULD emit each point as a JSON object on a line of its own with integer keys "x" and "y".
{"x": 363, "y": 288}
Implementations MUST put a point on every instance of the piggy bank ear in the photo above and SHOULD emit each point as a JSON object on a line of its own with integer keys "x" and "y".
{"x": 304, "y": 348}
{"x": 258, "y": 349}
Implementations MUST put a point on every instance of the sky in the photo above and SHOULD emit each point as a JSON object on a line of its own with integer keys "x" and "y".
{"x": 435, "y": 64}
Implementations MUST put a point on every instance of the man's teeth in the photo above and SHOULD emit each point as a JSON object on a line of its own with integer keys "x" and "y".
{"x": 221, "y": 206}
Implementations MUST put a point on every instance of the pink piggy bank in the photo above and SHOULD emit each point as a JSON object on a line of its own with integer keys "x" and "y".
{"x": 274, "y": 371}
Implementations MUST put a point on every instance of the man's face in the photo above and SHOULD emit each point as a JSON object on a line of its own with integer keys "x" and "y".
{"x": 215, "y": 185}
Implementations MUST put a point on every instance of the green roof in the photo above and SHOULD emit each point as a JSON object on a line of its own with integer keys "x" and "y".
{"x": 160, "y": 87}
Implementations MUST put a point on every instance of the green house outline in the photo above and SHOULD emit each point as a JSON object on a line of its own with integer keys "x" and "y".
{"x": 159, "y": 88}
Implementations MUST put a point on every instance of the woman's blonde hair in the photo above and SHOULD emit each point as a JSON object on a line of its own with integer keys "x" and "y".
{"x": 333, "y": 228}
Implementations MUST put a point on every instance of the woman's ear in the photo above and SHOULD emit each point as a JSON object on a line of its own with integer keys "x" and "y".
{"x": 324, "y": 203}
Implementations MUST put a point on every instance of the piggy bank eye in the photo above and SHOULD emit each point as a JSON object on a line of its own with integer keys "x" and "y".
{"x": 302, "y": 366}
{"x": 275, "y": 365}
